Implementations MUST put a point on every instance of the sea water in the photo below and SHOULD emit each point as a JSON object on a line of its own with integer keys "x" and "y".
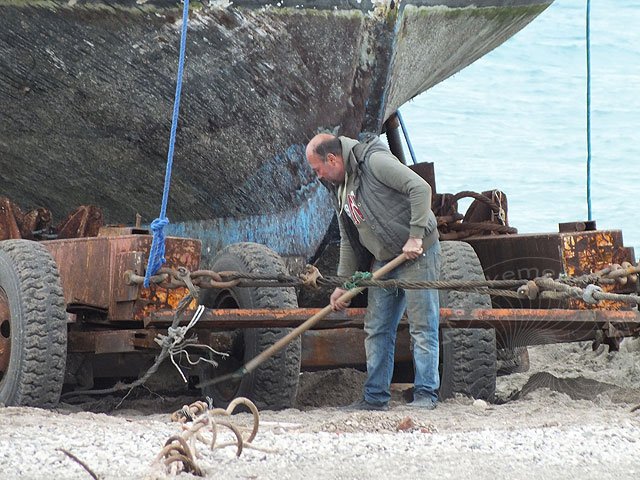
{"x": 515, "y": 120}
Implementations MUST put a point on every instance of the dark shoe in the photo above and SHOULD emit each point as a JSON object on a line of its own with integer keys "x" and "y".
{"x": 426, "y": 403}
{"x": 364, "y": 405}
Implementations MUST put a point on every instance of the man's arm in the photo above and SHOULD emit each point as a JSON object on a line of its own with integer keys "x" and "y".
{"x": 388, "y": 170}
{"x": 348, "y": 263}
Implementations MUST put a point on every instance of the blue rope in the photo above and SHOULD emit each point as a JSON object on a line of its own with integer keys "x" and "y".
{"x": 588, "y": 34}
{"x": 406, "y": 137}
{"x": 156, "y": 253}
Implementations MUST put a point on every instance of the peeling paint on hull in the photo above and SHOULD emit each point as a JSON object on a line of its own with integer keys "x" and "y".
{"x": 86, "y": 93}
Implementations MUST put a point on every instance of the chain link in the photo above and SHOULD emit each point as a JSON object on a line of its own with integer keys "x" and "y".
{"x": 543, "y": 287}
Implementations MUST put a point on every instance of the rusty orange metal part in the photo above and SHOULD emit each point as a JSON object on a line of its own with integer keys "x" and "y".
{"x": 519, "y": 326}
{"x": 587, "y": 252}
{"x": 92, "y": 272}
{"x": 345, "y": 348}
{"x": 354, "y": 317}
{"x": 110, "y": 341}
{"x": 338, "y": 341}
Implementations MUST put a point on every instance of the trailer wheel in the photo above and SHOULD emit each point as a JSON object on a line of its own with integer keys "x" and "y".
{"x": 33, "y": 326}
{"x": 467, "y": 355}
{"x": 273, "y": 384}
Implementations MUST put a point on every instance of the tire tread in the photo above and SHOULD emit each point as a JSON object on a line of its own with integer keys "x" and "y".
{"x": 36, "y": 378}
{"x": 468, "y": 354}
{"x": 275, "y": 382}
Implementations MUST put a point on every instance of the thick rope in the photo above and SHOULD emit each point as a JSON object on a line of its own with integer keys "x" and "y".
{"x": 591, "y": 294}
{"x": 356, "y": 280}
{"x": 156, "y": 253}
{"x": 200, "y": 428}
{"x": 543, "y": 287}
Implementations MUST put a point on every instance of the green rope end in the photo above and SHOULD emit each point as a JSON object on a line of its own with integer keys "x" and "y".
{"x": 356, "y": 279}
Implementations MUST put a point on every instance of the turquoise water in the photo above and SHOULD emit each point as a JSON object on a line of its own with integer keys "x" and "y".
{"x": 516, "y": 120}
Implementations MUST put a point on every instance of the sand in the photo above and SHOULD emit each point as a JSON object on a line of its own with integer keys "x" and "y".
{"x": 571, "y": 416}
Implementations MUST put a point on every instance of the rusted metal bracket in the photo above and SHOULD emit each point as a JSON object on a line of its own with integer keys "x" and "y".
{"x": 613, "y": 337}
{"x": 14, "y": 224}
{"x": 112, "y": 341}
{"x": 85, "y": 221}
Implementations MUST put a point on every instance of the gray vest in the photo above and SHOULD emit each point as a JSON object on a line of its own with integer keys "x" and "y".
{"x": 387, "y": 211}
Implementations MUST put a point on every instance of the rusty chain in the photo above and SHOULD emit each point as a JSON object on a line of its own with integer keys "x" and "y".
{"x": 622, "y": 275}
{"x": 548, "y": 288}
{"x": 310, "y": 278}
{"x": 180, "y": 452}
{"x": 451, "y": 227}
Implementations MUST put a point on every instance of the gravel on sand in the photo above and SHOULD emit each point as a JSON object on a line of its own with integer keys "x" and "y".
{"x": 573, "y": 417}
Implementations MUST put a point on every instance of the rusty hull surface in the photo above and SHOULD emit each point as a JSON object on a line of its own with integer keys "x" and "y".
{"x": 92, "y": 274}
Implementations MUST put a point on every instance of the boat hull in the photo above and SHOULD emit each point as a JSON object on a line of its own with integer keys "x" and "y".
{"x": 86, "y": 96}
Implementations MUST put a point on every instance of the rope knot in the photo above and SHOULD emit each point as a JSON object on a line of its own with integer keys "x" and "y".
{"x": 530, "y": 290}
{"x": 356, "y": 279}
{"x": 174, "y": 336}
{"x": 158, "y": 224}
{"x": 310, "y": 277}
{"x": 587, "y": 295}
{"x": 156, "y": 253}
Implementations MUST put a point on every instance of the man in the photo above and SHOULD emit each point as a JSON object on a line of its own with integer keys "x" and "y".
{"x": 384, "y": 209}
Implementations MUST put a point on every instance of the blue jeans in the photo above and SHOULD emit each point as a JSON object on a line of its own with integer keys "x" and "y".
{"x": 385, "y": 309}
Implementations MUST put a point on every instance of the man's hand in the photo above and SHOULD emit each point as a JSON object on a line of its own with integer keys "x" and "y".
{"x": 413, "y": 248}
{"x": 335, "y": 304}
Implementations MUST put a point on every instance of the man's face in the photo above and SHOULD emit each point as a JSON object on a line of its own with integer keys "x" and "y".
{"x": 332, "y": 170}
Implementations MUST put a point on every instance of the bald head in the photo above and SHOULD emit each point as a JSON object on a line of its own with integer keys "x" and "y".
{"x": 324, "y": 154}
{"x": 322, "y": 144}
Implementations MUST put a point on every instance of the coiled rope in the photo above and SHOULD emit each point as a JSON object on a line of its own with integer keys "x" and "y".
{"x": 200, "y": 427}
{"x": 156, "y": 253}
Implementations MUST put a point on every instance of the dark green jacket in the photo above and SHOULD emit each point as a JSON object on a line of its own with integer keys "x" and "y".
{"x": 386, "y": 201}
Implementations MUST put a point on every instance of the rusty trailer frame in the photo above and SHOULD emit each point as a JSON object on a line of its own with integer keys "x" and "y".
{"x": 117, "y": 323}
{"x": 107, "y": 315}
{"x": 338, "y": 340}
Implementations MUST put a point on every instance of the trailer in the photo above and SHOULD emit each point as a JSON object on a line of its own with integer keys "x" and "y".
{"x": 74, "y": 315}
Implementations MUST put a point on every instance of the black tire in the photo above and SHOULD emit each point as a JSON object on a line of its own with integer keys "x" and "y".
{"x": 467, "y": 355}
{"x": 274, "y": 384}
{"x": 33, "y": 326}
